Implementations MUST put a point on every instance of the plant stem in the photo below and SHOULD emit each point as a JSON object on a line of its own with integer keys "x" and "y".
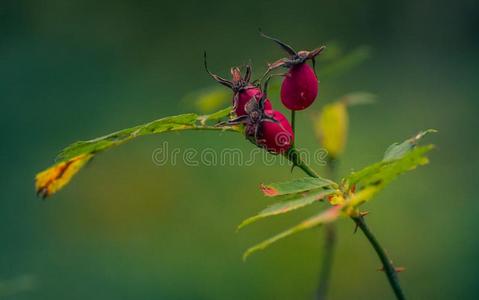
{"x": 389, "y": 269}
{"x": 328, "y": 249}
{"x": 294, "y": 156}
{"x": 327, "y": 261}
{"x": 387, "y": 264}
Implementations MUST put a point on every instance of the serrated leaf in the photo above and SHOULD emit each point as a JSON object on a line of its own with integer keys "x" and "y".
{"x": 358, "y": 188}
{"x": 397, "y": 151}
{"x": 327, "y": 216}
{"x": 301, "y": 200}
{"x": 386, "y": 171}
{"x": 92, "y": 147}
{"x": 399, "y": 158}
{"x": 406, "y": 151}
{"x": 219, "y": 115}
{"x": 296, "y": 186}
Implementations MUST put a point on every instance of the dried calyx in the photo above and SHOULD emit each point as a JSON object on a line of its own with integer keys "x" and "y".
{"x": 243, "y": 89}
{"x": 295, "y": 57}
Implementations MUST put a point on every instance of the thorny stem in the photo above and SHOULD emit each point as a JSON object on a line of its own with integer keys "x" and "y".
{"x": 387, "y": 264}
{"x": 294, "y": 156}
{"x": 389, "y": 269}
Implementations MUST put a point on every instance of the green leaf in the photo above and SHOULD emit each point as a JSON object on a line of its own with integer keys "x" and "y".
{"x": 327, "y": 216}
{"x": 219, "y": 115}
{"x": 399, "y": 158}
{"x": 296, "y": 186}
{"x": 299, "y": 201}
{"x": 397, "y": 151}
{"x": 92, "y": 147}
{"x": 173, "y": 123}
{"x": 367, "y": 182}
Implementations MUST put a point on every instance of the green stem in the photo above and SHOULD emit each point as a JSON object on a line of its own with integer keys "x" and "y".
{"x": 390, "y": 271}
{"x": 328, "y": 249}
{"x": 327, "y": 261}
{"x": 387, "y": 264}
{"x": 294, "y": 156}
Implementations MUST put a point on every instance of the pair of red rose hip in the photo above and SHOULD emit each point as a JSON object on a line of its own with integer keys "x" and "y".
{"x": 264, "y": 126}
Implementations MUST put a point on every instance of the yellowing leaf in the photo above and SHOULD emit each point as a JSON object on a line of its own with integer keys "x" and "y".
{"x": 331, "y": 124}
{"x": 332, "y": 128}
{"x": 70, "y": 158}
{"x": 54, "y": 178}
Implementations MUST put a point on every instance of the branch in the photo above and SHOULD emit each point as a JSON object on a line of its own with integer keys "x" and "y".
{"x": 388, "y": 267}
{"x": 329, "y": 245}
{"x": 327, "y": 261}
{"x": 391, "y": 274}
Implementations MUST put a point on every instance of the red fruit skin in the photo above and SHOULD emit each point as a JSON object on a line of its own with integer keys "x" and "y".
{"x": 245, "y": 96}
{"x": 299, "y": 87}
{"x": 276, "y": 137}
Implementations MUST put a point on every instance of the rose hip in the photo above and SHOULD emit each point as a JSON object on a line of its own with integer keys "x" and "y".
{"x": 300, "y": 85}
{"x": 243, "y": 90}
{"x": 245, "y": 95}
{"x": 276, "y": 137}
{"x": 266, "y": 128}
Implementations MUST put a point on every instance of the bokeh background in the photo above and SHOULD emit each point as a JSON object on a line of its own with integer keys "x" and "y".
{"x": 127, "y": 229}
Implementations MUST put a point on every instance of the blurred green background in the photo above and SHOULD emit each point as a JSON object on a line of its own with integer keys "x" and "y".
{"x": 127, "y": 229}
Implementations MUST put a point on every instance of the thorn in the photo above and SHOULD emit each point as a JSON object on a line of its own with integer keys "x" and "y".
{"x": 355, "y": 228}
{"x": 362, "y": 214}
{"x": 292, "y": 168}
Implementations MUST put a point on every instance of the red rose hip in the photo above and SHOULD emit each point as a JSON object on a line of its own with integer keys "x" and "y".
{"x": 276, "y": 137}
{"x": 244, "y": 96}
{"x": 266, "y": 128}
{"x": 299, "y": 87}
